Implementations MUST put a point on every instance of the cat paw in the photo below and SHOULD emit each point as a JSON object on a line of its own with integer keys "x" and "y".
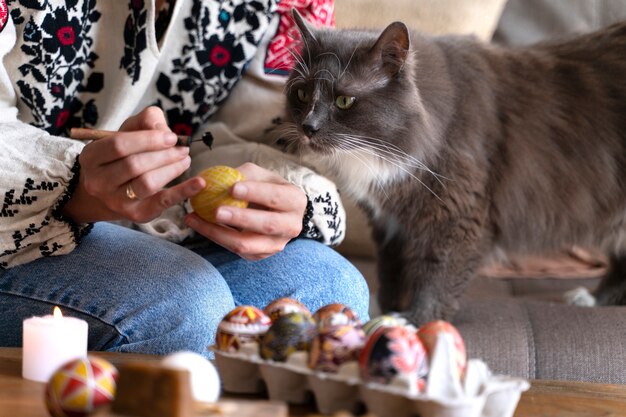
{"x": 580, "y": 297}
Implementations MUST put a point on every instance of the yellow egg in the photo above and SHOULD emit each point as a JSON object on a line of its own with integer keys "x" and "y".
{"x": 219, "y": 179}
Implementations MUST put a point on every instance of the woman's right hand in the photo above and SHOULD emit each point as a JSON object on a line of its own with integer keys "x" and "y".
{"x": 141, "y": 155}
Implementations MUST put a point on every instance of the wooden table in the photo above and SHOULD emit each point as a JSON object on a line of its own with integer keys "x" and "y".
{"x": 22, "y": 398}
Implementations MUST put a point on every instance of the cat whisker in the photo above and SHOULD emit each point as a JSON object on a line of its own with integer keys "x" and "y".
{"x": 401, "y": 167}
{"x": 349, "y": 60}
{"x": 393, "y": 150}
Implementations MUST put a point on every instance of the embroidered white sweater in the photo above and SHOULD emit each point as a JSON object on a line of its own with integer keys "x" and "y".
{"x": 94, "y": 63}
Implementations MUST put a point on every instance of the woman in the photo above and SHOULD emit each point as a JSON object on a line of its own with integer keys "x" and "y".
{"x": 68, "y": 63}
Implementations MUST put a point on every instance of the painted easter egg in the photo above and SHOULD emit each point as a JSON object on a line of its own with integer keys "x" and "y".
{"x": 288, "y": 334}
{"x": 219, "y": 179}
{"x": 383, "y": 321}
{"x": 283, "y": 306}
{"x": 243, "y": 324}
{"x": 429, "y": 333}
{"x": 394, "y": 353}
{"x": 336, "y": 314}
{"x": 81, "y": 387}
{"x": 335, "y": 346}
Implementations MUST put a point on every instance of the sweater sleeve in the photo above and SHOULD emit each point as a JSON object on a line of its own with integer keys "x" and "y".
{"x": 38, "y": 173}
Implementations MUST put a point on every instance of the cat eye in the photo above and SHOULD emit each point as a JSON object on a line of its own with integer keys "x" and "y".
{"x": 303, "y": 96}
{"x": 345, "y": 102}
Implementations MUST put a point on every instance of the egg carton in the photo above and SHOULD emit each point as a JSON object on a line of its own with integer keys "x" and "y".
{"x": 481, "y": 394}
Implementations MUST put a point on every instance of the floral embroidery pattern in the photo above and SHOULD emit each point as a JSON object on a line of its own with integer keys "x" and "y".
{"x": 135, "y": 39}
{"x": 222, "y": 39}
{"x": 57, "y": 51}
{"x": 4, "y": 14}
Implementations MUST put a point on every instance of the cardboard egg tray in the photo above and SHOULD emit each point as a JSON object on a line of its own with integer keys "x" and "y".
{"x": 482, "y": 394}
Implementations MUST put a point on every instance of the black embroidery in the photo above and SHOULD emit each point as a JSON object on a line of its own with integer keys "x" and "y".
{"x": 213, "y": 60}
{"x": 57, "y": 54}
{"x": 309, "y": 230}
{"x": 78, "y": 232}
{"x": 333, "y": 220}
{"x": 11, "y": 207}
{"x": 135, "y": 39}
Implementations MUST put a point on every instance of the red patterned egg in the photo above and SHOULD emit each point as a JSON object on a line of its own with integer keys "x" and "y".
{"x": 392, "y": 352}
{"x": 81, "y": 387}
{"x": 336, "y": 315}
{"x": 334, "y": 346}
{"x": 429, "y": 333}
{"x": 243, "y": 324}
{"x": 288, "y": 334}
{"x": 283, "y": 306}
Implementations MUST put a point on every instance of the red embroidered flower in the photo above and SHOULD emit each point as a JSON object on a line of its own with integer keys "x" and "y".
{"x": 220, "y": 56}
{"x": 62, "y": 118}
{"x": 4, "y": 14}
{"x": 66, "y": 35}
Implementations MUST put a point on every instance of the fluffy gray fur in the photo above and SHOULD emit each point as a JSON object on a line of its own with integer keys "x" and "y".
{"x": 456, "y": 149}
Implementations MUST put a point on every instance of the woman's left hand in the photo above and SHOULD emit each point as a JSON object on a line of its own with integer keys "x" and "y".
{"x": 272, "y": 219}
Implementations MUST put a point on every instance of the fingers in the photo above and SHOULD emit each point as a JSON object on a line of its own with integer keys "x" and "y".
{"x": 248, "y": 245}
{"x": 150, "y": 208}
{"x": 282, "y": 197}
{"x": 287, "y": 225}
{"x": 150, "y": 118}
{"x": 143, "y": 164}
{"x": 123, "y": 144}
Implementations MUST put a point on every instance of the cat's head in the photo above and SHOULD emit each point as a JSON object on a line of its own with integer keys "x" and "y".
{"x": 352, "y": 97}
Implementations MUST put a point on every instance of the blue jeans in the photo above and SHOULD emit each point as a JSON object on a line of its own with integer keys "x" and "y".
{"x": 142, "y": 294}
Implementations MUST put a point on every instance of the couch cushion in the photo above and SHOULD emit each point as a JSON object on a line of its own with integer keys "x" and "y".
{"x": 520, "y": 327}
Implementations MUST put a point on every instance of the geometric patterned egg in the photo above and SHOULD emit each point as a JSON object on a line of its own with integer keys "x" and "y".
{"x": 243, "y": 324}
{"x": 283, "y": 306}
{"x": 81, "y": 387}
{"x": 219, "y": 180}
{"x": 429, "y": 333}
{"x": 392, "y": 352}
{"x": 386, "y": 320}
{"x": 288, "y": 334}
{"x": 334, "y": 346}
{"x": 336, "y": 314}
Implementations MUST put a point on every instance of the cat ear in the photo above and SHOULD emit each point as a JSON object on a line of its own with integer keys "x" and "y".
{"x": 305, "y": 30}
{"x": 392, "y": 47}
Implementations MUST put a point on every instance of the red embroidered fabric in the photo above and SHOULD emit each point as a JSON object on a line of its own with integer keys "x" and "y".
{"x": 278, "y": 59}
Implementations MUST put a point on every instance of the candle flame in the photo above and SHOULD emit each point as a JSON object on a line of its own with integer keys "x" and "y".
{"x": 57, "y": 313}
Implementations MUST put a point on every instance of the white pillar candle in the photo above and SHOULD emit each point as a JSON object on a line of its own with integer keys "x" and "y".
{"x": 49, "y": 342}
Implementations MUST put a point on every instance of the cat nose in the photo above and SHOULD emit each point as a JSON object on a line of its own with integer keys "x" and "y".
{"x": 310, "y": 128}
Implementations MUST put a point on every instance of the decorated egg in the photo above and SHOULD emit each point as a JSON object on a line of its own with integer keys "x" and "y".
{"x": 283, "y": 306}
{"x": 219, "y": 179}
{"x": 394, "y": 353}
{"x": 429, "y": 333}
{"x": 288, "y": 334}
{"x": 333, "y": 346}
{"x": 243, "y": 324}
{"x": 336, "y": 315}
{"x": 81, "y": 387}
{"x": 383, "y": 321}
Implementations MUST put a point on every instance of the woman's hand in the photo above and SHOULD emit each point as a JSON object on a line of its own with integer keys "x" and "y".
{"x": 141, "y": 155}
{"x": 273, "y": 218}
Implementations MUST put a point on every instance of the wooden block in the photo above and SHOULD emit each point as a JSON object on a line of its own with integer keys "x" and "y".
{"x": 145, "y": 389}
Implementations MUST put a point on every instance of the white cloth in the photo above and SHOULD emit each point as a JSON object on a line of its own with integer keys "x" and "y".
{"x": 100, "y": 63}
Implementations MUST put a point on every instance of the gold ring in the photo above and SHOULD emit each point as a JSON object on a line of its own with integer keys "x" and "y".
{"x": 130, "y": 193}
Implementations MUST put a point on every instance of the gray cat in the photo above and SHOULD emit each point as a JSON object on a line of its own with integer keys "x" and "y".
{"x": 457, "y": 149}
